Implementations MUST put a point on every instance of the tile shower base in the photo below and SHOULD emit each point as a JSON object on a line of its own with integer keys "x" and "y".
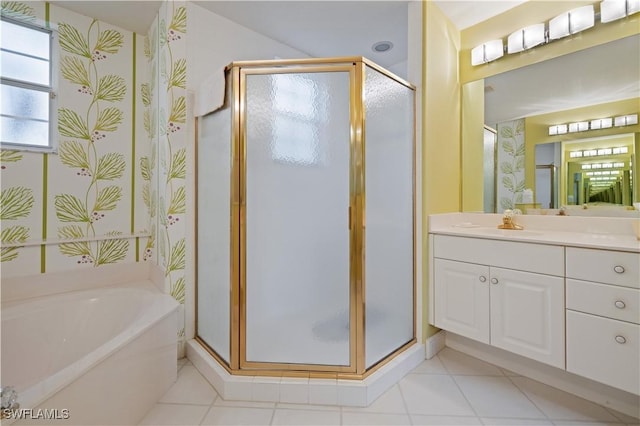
{"x": 353, "y": 393}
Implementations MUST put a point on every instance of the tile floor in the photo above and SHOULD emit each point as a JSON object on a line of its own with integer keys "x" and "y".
{"x": 449, "y": 389}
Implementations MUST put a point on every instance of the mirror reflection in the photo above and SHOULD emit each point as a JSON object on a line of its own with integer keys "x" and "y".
{"x": 588, "y": 172}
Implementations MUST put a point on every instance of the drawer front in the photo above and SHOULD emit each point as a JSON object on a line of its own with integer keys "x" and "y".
{"x": 540, "y": 258}
{"x": 609, "y": 267}
{"x": 593, "y": 352}
{"x": 621, "y": 303}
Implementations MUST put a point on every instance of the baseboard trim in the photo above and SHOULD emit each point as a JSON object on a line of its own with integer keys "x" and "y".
{"x": 435, "y": 344}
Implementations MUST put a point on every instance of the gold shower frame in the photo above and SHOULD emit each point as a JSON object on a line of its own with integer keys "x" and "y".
{"x": 238, "y": 365}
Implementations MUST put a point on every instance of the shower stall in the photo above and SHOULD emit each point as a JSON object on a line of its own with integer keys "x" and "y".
{"x": 306, "y": 219}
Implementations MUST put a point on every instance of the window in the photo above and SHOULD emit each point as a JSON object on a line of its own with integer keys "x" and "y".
{"x": 300, "y": 108}
{"x": 27, "y": 111}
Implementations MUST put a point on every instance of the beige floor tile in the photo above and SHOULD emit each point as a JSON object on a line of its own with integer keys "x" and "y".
{"x": 175, "y": 414}
{"x": 312, "y": 407}
{"x": 635, "y": 421}
{"x": 366, "y": 419}
{"x": 389, "y": 402}
{"x": 430, "y": 366}
{"x": 458, "y": 363}
{"x": 488, "y": 421}
{"x": 434, "y": 394}
{"x": 420, "y": 420}
{"x": 496, "y": 397}
{"x": 190, "y": 388}
{"x": 305, "y": 417}
{"x": 238, "y": 416}
{"x": 559, "y": 405}
{"x": 248, "y": 404}
{"x": 584, "y": 423}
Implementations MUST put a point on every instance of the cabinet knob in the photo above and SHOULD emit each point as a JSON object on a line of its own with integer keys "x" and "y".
{"x": 620, "y": 304}
{"x": 618, "y": 269}
{"x": 621, "y": 339}
{"x": 482, "y": 278}
{"x": 494, "y": 281}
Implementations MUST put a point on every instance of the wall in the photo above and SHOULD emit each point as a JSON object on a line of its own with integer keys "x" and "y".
{"x": 440, "y": 125}
{"x": 78, "y": 209}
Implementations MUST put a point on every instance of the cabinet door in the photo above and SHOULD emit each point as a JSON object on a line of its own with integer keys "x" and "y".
{"x": 527, "y": 314}
{"x": 604, "y": 349}
{"x": 462, "y": 298}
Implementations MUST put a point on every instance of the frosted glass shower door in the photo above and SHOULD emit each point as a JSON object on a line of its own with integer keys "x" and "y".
{"x": 214, "y": 231}
{"x": 297, "y": 276}
{"x": 389, "y": 245}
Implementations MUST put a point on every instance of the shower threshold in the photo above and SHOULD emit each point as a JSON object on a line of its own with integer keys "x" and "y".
{"x": 350, "y": 393}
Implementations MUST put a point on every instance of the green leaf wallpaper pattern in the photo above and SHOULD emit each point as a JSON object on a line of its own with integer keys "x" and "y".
{"x": 511, "y": 163}
{"x": 17, "y": 10}
{"x": 171, "y": 119}
{"x": 87, "y": 123}
{"x": 72, "y": 41}
{"x": 15, "y": 203}
{"x": 9, "y": 156}
{"x": 12, "y": 235}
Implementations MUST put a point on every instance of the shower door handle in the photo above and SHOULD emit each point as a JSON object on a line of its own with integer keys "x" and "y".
{"x": 349, "y": 218}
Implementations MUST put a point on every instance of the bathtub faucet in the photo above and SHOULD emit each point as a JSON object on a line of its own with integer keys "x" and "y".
{"x": 9, "y": 398}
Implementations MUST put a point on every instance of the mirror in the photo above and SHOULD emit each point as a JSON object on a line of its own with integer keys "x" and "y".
{"x": 524, "y": 167}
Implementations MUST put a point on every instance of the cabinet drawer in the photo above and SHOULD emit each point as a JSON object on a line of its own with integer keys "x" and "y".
{"x": 593, "y": 352}
{"x": 609, "y": 267}
{"x": 621, "y": 303}
{"x": 540, "y": 258}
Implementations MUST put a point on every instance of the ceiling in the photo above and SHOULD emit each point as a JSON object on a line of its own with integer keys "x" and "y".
{"x": 349, "y": 28}
{"x": 318, "y": 28}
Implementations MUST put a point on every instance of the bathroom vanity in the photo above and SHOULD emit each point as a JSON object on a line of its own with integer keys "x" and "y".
{"x": 564, "y": 292}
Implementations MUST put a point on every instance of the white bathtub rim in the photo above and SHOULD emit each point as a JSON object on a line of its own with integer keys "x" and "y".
{"x": 41, "y": 391}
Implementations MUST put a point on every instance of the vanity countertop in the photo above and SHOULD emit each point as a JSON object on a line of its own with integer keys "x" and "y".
{"x": 587, "y": 232}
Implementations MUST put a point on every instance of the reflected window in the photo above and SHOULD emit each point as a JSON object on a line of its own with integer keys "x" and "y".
{"x": 26, "y": 89}
{"x": 300, "y": 107}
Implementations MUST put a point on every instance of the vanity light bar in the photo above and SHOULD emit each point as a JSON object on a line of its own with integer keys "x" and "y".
{"x": 626, "y": 120}
{"x": 571, "y": 22}
{"x": 559, "y": 129}
{"x": 578, "y": 127}
{"x": 526, "y": 38}
{"x": 603, "y": 166}
{"x": 487, "y": 52}
{"x": 563, "y": 25}
{"x": 602, "y": 123}
{"x": 621, "y": 150}
{"x": 598, "y": 124}
{"x": 611, "y": 10}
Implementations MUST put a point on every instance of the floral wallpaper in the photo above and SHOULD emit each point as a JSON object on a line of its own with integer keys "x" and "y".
{"x": 85, "y": 128}
{"x": 511, "y": 149}
{"x": 116, "y": 190}
{"x": 172, "y": 145}
{"x": 77, "y": 208}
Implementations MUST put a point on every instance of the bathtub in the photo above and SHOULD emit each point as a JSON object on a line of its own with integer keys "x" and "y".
{"x": 101, "y": 356}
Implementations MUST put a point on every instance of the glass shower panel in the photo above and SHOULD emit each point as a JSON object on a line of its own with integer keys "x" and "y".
{"x": 214, "y": 230}
{"x": 297, "y": 223}
{"x": 389, "y": 132}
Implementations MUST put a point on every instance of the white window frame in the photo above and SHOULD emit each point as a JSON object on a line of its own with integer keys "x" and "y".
{"x": 52, "y": 88}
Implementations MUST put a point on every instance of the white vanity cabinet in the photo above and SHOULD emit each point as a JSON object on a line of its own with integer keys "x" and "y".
{"x": 507, "y": 294}
{"x": 603, "y": 316}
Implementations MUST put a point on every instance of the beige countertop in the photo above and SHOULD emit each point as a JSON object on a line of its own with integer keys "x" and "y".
{"x": 587, "y": 232}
